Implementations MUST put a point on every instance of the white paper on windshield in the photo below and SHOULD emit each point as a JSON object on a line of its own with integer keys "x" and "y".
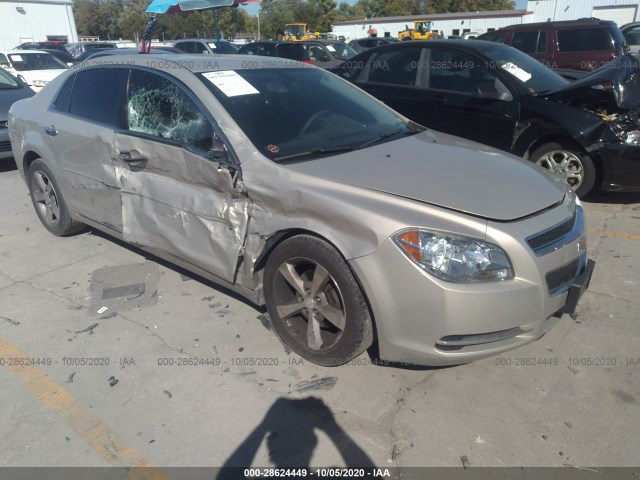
{"x": 331, "y": 48}
{"x": 16, "y": 58}
{"x": 517, "y": 72}
{"x": 230, "y": 83}
{"x": 212, "y": 45}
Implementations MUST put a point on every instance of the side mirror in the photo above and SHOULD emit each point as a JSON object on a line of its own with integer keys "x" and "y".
{"x": 324, "y": 58}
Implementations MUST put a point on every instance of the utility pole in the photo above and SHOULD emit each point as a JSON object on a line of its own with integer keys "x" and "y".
{"x": 258, "y": 14}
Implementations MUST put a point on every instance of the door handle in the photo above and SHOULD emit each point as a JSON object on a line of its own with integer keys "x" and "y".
{"x": 440, "y": 100}
{"x": 50, "y": 130}
{"x": 134, "y": 162}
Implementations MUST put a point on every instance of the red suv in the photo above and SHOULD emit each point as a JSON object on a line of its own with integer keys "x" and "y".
{"x": 584, "y": 44}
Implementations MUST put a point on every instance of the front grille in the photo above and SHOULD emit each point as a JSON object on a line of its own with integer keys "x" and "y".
{"x": 550, "y": 236}
{"x": 5, "y": 146}
{"x": 560, "y": 277}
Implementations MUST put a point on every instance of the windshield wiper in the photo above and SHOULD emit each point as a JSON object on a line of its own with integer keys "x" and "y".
{"x": 384, "y": 136}
{"x": 316, "y": 151}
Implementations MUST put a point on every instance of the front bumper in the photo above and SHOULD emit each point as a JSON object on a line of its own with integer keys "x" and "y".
{"x": 621, "y": 167}
{"x": 5, "y": 145}
{"x": 426, "y": 321}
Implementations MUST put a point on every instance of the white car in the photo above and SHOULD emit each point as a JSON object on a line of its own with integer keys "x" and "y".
{"x": 35, "y": 67}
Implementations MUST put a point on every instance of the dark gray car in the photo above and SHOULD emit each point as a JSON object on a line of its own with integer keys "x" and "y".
{"x": 11, "y": 90}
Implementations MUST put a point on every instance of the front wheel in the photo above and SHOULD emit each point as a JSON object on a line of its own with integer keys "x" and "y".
{"x": 316, "y": 306}
{"x": 48, "y": 202}
{"x": 574, "y": 167}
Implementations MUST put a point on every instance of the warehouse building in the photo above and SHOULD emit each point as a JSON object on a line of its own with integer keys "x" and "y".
{"x": 36, "y": 21}
{"x": 456, "y": 24}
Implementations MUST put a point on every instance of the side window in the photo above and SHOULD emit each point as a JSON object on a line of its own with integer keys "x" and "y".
{"x": 268, "y": 50}
{"x": 526, "y": 41}
{"x": 188, "y": 47}
{"x": 396, "y": 67}
{"x": 458, "y": 72}
{"x": 3, "y": 61}
{"x": 160, "y": 108}
{"x": 584, "y": 40}
{"x": 542, "y": 43}
{"x": 97, "y": 94}
{"x": 61, "y": 103}
{"x": 249, "y": 50}
{"x": 632, "y": 36}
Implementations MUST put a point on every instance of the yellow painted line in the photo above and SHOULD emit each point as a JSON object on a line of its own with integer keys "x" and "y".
{"x": 90, "y": 428}
{"x": 614, "y": 234}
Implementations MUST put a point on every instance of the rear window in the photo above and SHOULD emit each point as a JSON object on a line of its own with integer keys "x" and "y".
{"x": 584, "y": 40}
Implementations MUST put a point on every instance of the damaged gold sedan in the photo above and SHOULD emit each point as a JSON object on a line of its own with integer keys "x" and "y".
{"x": 285, "y": 183}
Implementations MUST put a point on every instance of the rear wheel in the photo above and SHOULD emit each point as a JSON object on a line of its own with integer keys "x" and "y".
{"x": 48, "y": 202}
{"x": 315, "y": 304}
{"x": 574, "y": 167}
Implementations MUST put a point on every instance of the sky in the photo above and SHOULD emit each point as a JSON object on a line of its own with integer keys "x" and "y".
{"x": 253, "y": 8}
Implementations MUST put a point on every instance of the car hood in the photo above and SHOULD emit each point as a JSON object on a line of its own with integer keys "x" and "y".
{"x": 9, "y": 96}
{"x": 445, "y": 171}
{"x": 623, "y": 74}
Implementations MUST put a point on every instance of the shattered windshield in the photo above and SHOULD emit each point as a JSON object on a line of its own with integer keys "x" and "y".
{"x": 527, "y": 70}
{"x": 290, "y": 113}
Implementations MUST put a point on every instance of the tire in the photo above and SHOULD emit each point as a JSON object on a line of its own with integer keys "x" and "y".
{"x": 48, "y": 202}
{"x": 574, "y": 167}
{"x": 297, "y": 307}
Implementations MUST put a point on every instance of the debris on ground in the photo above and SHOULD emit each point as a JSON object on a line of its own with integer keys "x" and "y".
{"x": 12, "y": 322}
{"x": 124, "y": 287}
{"x": 113, "y": 381}
{"x": 465, "y": 462}
{"x": 167, "y": 393}
{"x": 325, "y": 383}
{"x": 70, "y": 380}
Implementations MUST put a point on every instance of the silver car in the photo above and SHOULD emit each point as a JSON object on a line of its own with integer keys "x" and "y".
{"x": 281, "y": 181}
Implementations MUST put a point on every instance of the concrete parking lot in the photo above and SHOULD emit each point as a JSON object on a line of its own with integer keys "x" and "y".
{"x": 174, "y": 371}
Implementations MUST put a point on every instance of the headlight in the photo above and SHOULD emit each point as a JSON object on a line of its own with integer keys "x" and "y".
{"x": 40, "y": 83}
{"x": 633, "y": 137}
{"x": 453, "y": 258}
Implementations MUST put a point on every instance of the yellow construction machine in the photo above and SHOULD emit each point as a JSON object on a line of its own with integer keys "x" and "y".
{"x": 421, "y": 31}
{"x": 297, "y": 32}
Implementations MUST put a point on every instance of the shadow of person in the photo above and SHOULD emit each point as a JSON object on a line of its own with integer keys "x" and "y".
{"x": 290, "y": 428}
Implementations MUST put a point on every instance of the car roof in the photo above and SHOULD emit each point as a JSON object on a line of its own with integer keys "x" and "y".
{"x": 472, "y": 44}
{"x": 21, "y": 52}
{"x": 321, "y": 40}
{"x": 193, "y": 63}
{"x": 200, "y": 40}
{"x": 560, "y": 23}
{"x": 273, "y": 42}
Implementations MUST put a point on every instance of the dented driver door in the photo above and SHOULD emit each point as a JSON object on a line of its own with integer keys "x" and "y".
{"x": 176, "y": 199}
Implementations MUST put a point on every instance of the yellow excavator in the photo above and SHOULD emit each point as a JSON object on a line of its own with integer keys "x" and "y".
{"x": 297, "y": 32}
{"x": 421, "y": 31}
